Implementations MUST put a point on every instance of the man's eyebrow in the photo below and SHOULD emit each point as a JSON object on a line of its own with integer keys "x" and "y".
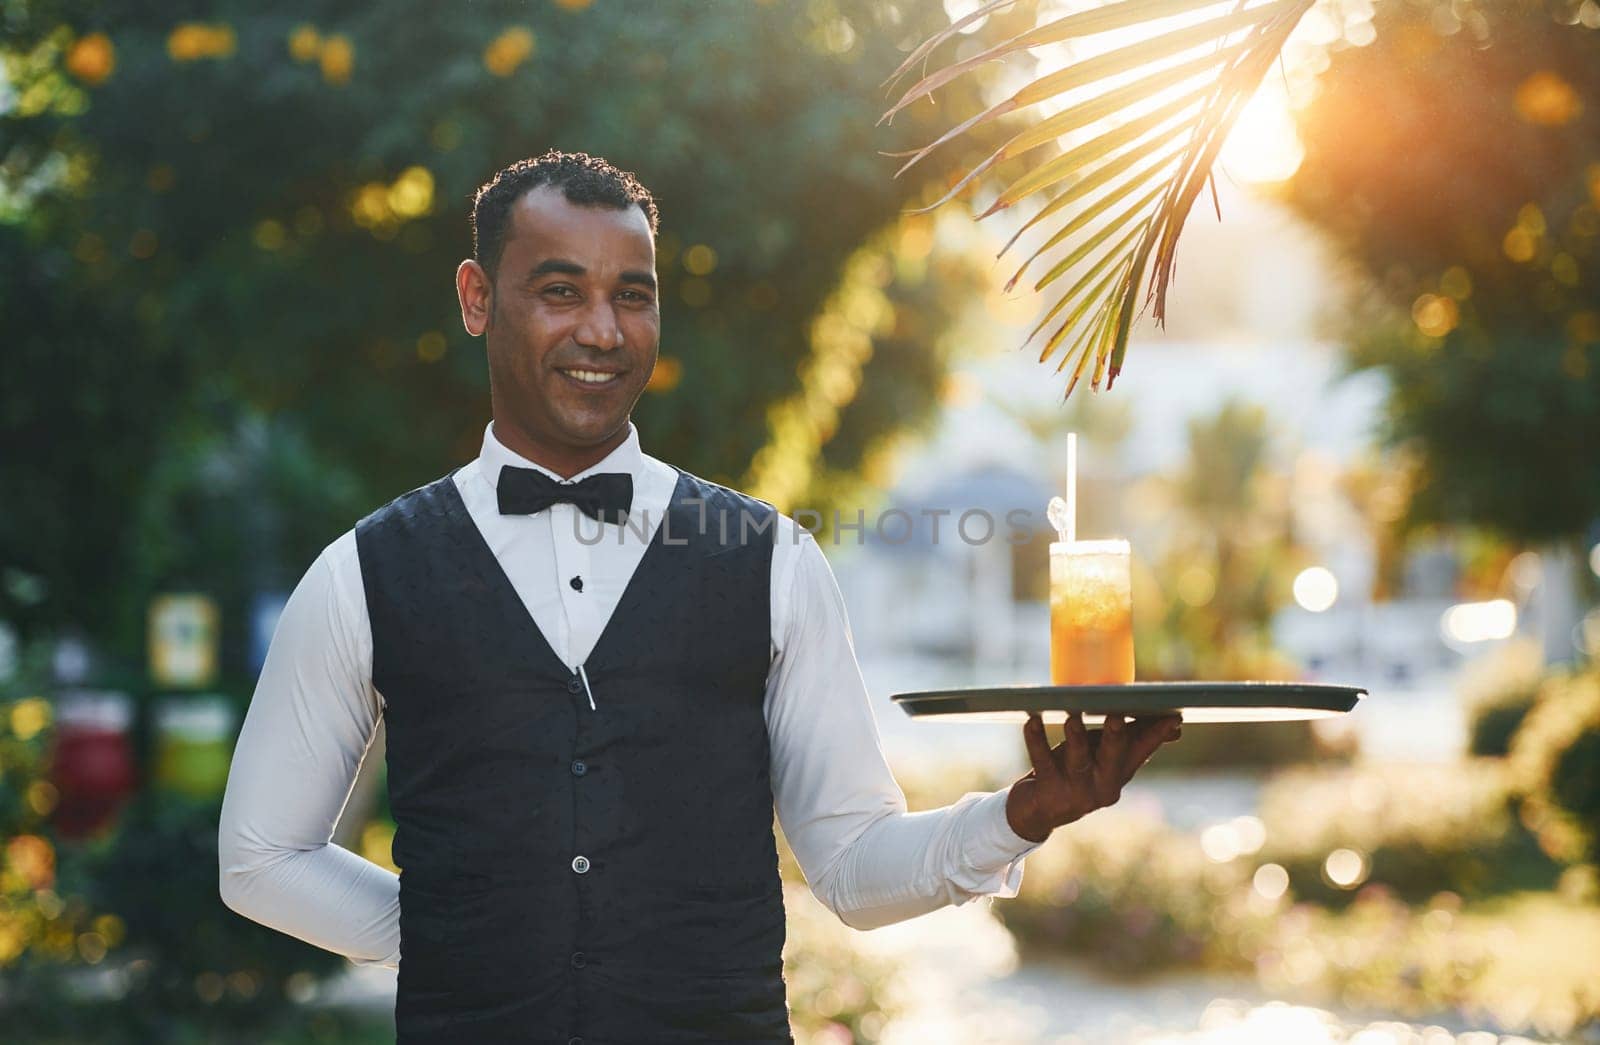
{"x": 572, "y": 268}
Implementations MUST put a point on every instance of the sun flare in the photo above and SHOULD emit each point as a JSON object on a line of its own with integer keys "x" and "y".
{"x": 1264, "y": 147}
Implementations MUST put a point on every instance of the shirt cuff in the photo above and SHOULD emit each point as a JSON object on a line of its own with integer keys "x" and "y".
{"x": 993, "y": 844}
{"x": 388, "y": 961}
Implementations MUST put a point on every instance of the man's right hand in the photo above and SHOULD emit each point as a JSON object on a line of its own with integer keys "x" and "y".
{"x": 1085, "y": 772}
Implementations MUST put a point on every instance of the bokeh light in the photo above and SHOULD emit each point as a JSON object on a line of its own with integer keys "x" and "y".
{"x": 1548, "y": 100}
{"x": 1316, "y": 588}
{"x": 1271, "y": 881}
{"x": 1480, "y": 621}
{"x": 1435, "y": 314}
{"x": 1346, "y": 868}
{"x": 92, "y": 59}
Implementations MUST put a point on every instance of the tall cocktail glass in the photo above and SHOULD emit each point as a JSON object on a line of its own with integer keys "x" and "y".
{"x": 1091, "y": 613}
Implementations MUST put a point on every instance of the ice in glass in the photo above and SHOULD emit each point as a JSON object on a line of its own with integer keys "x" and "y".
{"x": 1091, "y": 613}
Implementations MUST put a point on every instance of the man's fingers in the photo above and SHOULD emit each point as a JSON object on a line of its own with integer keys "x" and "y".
{"x": 1150, "y": 735}
{"x": 1113, "y": 747}
{"x": 1044, "y": 764}
{"x": 1076, "y": 745}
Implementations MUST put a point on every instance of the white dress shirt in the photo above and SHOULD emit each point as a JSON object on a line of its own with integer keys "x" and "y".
{"x": 315, "y": 709}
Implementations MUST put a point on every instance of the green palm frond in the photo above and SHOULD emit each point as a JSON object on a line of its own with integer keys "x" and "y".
{"x": 1132, "y": 158}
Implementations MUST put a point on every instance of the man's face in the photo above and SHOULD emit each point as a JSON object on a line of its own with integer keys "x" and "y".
{"x": 572, "y": 322}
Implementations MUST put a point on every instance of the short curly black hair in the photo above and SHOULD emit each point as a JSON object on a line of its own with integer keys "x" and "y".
{"x": 583, "y": 179}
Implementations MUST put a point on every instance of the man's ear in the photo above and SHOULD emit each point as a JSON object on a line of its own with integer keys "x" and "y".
{"x": 476, "y": 294}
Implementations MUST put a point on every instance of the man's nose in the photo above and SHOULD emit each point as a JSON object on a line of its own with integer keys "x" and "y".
{"x": 599, "y": 328}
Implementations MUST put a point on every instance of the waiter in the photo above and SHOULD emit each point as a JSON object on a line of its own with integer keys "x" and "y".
{"x": 599, "y": 674}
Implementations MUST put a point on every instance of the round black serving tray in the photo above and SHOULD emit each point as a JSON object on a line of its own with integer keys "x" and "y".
{"x": 1195, "y": 701}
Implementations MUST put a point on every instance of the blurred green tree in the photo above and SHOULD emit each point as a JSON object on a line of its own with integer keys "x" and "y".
{"x": 1228, "y": 558}
{"x": 1454, "y": 160}
{"x": 227, "y": 247}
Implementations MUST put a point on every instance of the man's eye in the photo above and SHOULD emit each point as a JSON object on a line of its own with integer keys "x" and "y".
{"x": 558, "y": 290}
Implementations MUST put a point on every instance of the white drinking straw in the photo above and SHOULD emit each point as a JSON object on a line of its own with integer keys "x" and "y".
{"x": 1072, "y": 487}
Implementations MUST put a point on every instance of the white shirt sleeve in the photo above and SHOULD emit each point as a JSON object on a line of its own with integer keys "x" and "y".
{"x": 306, "y": 733}
{"x": 865, "y": 857}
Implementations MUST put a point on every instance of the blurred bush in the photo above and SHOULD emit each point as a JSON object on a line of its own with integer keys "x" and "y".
{"x": 1555, "y": 765}
{"x": 1136, "y": 896}
{"x": 1498, "y": 692}
{"x": 1524, "y": 962}
{"x": 123, "y": 937}
{"x": 46, "y": 923}
{"x": 1416, "y": 829}
{"x": 837, "y": 991}
{"x": 1378, "y": 953}
{"x": 43, "y": 921}
{"x": 1416, "y": 868}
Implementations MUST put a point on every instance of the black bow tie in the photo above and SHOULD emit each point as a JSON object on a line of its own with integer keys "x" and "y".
{"x": 606, "y": 496}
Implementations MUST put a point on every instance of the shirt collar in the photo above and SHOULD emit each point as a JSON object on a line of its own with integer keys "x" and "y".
{"x": 625, "y": 457}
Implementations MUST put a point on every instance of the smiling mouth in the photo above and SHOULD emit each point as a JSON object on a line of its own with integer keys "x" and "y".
{"x": 597, "y": 378}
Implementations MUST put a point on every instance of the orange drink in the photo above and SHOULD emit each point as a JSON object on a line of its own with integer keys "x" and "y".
{"x": 1091, "y": 613}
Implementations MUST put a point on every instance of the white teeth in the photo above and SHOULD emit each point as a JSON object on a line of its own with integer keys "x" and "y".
{"x": 593, "y": 377}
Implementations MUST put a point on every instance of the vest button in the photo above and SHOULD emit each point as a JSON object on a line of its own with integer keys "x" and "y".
{"x": 574, "y": 685}
{"x": 578, "y": 960}
{"x": 580, "y": 864}
{"x": 579, "y": 767}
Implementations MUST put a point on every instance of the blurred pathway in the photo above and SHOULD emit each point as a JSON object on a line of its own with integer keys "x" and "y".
{"x": 963, "y": 985}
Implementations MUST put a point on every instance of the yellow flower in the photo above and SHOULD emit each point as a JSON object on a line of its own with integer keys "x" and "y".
{"x": 1435, "y": 315}
{"x": 92, "y": 59}
{"x": 305, "y": 44}
{"x": 33, "y": 858}
{"x": 508, "y": 50}
{"x": 42, "y": 797}
{"x": 191, "y": 41}
{"x": 1520, "y": 245}
{"x": 338, "y": 58}
{"x": 666, "y": 375}
{"x": 29, "y": 717}
{"x": 411, "y": 196}
{"x": 370, "y": 206}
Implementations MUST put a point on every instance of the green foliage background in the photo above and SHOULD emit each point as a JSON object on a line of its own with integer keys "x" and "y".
{"x": 217, "y": 361}
{"x": 1456, "y": 160}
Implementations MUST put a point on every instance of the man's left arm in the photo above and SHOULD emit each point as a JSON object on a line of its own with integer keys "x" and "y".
{"x": 865, "y": 857}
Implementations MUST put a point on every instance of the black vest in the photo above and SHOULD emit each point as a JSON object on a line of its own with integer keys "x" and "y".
{"x": 571, "y": 874}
